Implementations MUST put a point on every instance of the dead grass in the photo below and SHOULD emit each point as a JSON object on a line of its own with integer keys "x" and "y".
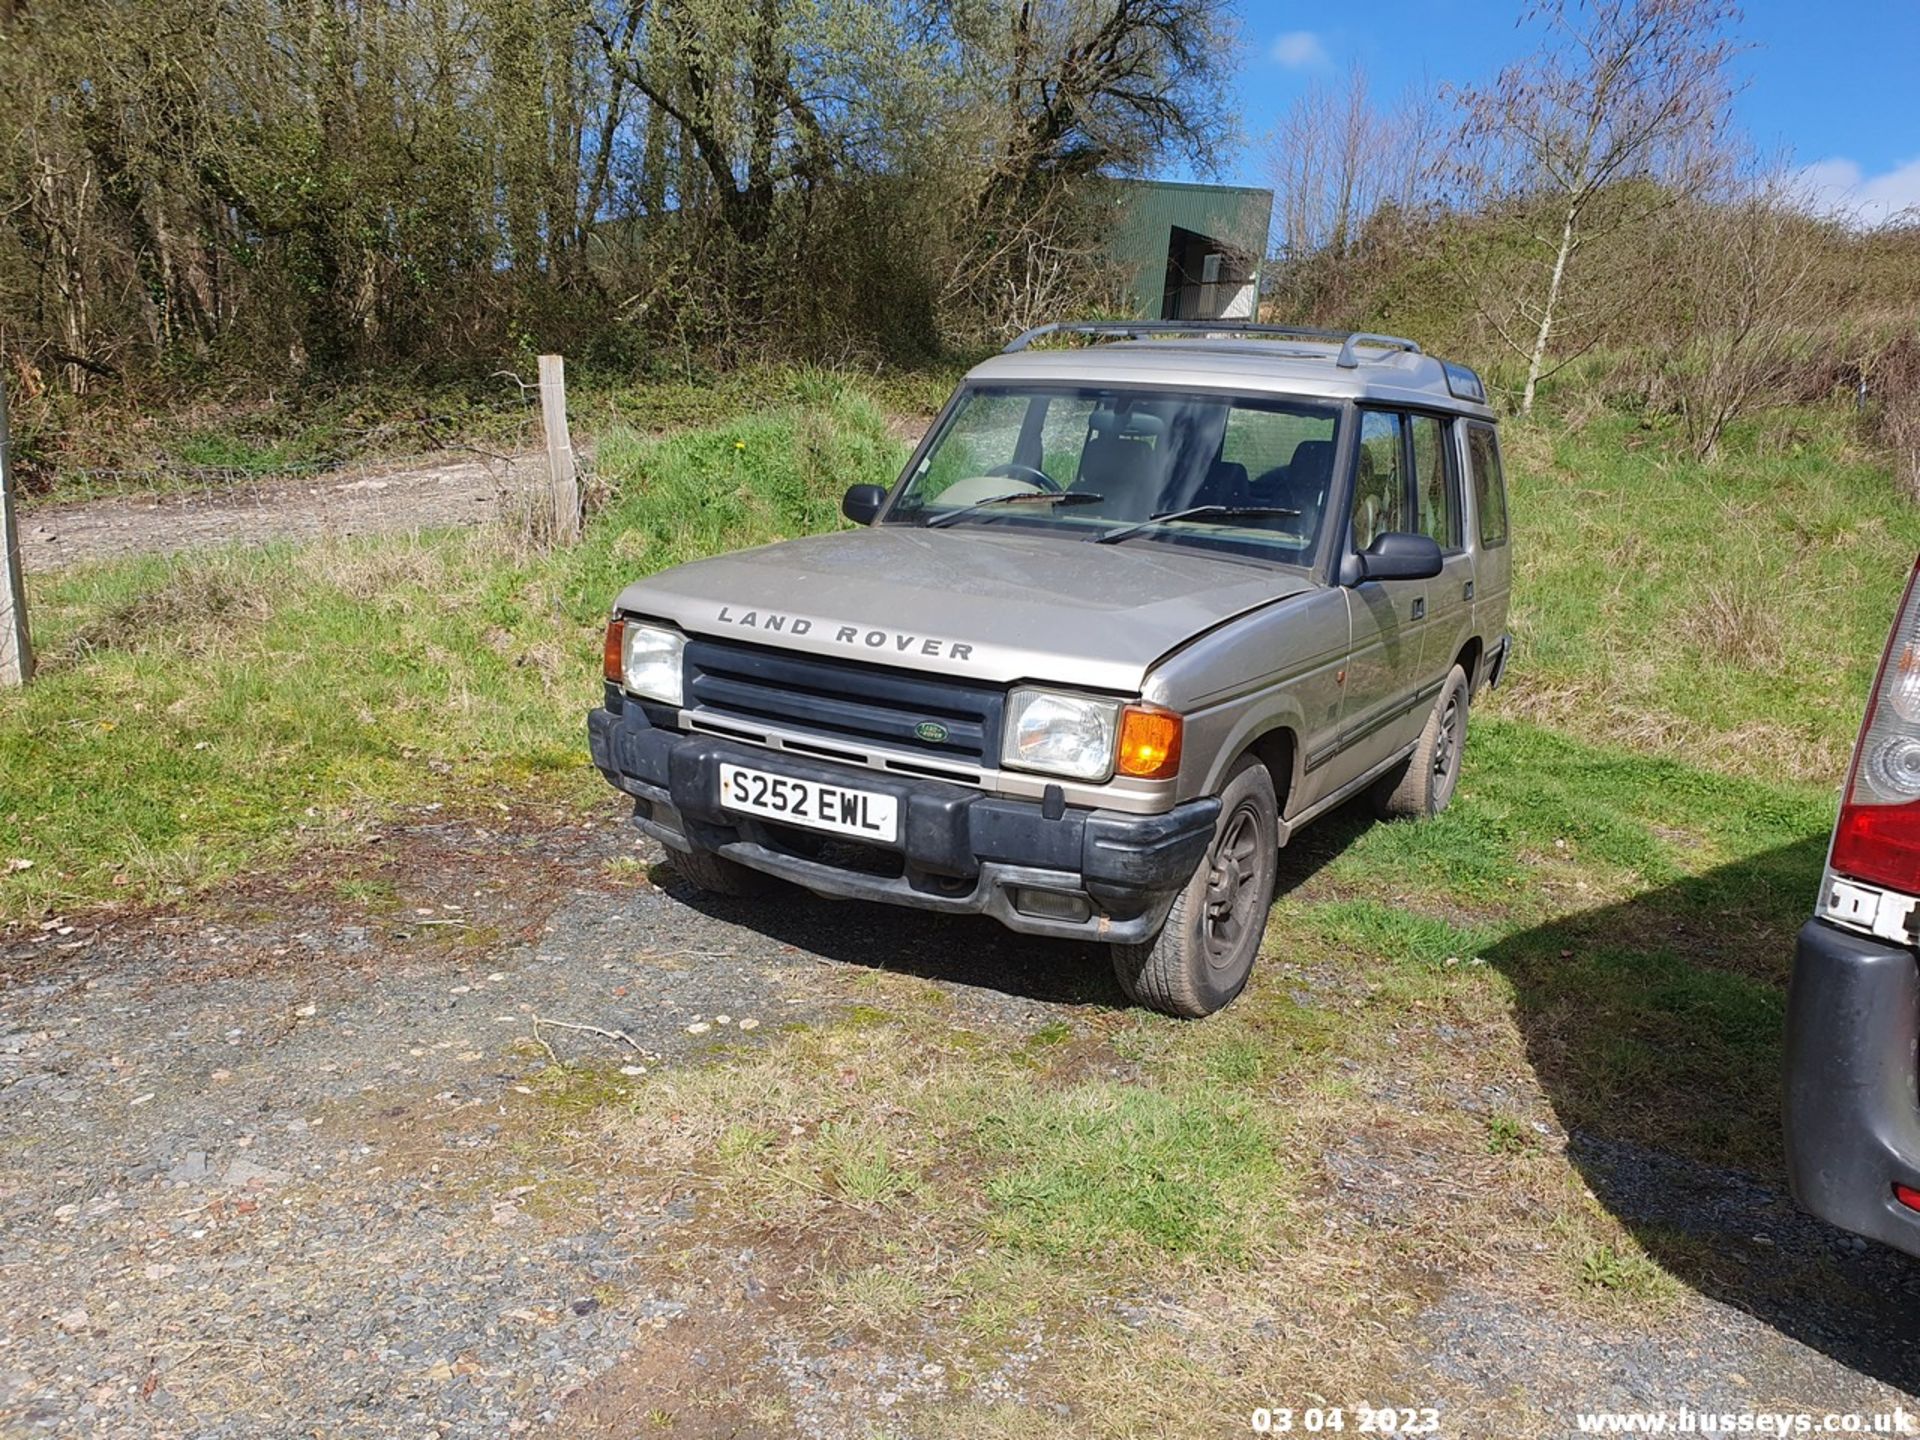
{"x": 1787, "y": 749}
{"x": 1735, "y": 621}
{"x": 192, "y": 609}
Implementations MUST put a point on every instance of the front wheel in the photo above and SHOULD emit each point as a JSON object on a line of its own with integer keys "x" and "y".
{"x": 1203, "y": 955}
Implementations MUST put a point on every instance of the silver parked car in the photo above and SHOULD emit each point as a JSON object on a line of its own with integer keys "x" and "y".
{"x": 1853, "y": 1009}
{"x": 1139, "y": 608}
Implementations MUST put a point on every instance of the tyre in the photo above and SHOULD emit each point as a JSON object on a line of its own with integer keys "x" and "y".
{"x": 1422, "y": 784}
{"x": 1204, "y": 953}
{"x": 717, "y": 875}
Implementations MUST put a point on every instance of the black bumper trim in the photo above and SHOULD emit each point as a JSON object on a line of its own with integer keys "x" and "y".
{"x": 1852, "y": 1090}
{"x": 960, "y": 850}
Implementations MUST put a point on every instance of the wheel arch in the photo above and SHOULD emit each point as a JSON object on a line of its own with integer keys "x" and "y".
{"x": 1272, "y": 734}
{"x": 1469, "y": 659}
{"x": 1277, "y": 748}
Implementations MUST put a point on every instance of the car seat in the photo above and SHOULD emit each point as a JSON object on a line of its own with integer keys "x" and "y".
{"x": 1300, "y": 484}
{"x": 1226, "y": 484}
{"x": 1125, "y": 460}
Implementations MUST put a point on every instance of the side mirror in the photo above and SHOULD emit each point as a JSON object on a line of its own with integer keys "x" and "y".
{"x": 862, "y": 502}
{"x": 1397, "y": 555}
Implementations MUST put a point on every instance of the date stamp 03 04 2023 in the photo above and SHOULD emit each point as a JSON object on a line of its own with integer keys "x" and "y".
{"x": 1337, "y": 1419}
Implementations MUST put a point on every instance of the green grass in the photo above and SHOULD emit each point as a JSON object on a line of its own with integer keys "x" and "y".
{"x": 198, "y": 715}
{"x": 1101, "y": 1170}
{"x": 1636, "y": 913}
{"x": 1729, "y": 613}
{"x": 1589, "y": 948}
{"x": 193, "y": 714}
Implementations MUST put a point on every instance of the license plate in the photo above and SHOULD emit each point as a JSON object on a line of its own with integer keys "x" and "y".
{"x": 838, "y": 809}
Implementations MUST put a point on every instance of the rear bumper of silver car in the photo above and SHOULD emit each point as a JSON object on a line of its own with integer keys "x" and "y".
{"x": 1852, "y": 1090}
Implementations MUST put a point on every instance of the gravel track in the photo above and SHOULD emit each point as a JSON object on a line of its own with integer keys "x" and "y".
{"x": 377, "y": 500}
{"x": 284, "y": 1166}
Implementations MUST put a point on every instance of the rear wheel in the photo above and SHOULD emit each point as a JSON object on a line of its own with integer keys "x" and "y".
{"x": 1203, "y": 955}
{"x": 1423, "y": 783}
{"x": 717, "y": 875}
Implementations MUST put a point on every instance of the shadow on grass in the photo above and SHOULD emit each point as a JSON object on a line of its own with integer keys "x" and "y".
{"x": 970, "y": 949}
{"x": 1655, "y": 1028}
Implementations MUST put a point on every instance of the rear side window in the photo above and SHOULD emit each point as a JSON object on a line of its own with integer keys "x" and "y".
{"x": 1489, "y": 486}
{"x": 1434, "y": 482}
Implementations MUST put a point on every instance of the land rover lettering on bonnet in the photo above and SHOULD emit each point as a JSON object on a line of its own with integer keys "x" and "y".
{"x": 1147, "y": 599}
{"x": 774, "y": 622}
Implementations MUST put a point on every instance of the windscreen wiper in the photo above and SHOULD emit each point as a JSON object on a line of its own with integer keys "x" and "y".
{"x": 1056, "y": 497}
{"x": 1198, "y": 512}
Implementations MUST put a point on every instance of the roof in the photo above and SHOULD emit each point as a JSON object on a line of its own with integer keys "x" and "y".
{"x": 1275, "y": 367}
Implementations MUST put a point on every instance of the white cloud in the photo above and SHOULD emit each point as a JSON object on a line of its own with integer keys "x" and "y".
{"x": 1299, "y": 50}
{"x": 1839, "y": 187}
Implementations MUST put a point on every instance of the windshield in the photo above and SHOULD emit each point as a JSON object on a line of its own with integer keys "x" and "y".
{"x": 1137, "y": 466}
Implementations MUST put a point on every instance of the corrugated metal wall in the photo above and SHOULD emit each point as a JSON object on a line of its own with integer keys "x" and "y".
{"x": 1146, "y": 213}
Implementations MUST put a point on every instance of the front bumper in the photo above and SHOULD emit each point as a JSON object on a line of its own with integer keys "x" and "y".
{"x": 1852, "y": 1091}
{"x": 1111, "y": 876}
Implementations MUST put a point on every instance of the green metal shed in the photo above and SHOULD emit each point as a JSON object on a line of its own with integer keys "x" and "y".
{"x": 1190, "y": 252}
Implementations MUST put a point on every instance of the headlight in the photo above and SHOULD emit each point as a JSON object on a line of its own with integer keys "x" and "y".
{"x": 1060, "y": 734}
{"x": 651, "y": 662}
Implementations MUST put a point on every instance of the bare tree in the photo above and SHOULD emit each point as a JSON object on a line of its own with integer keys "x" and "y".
{"x": 1321, "y": 157}
{"x": 275, "y": 188}
{"x": 1075, "y": 87}
{"x": 1056, "y": 94}
{"x": 1620, "y": 91}
{"x": 1747, "y": 265}
{"x": 1338, "y": 165}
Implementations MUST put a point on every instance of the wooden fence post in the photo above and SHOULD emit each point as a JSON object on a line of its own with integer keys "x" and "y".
{"x": 16, "y": 645}
{"x": 564, "y": 482}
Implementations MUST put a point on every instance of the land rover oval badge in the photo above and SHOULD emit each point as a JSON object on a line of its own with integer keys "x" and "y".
{"x": 931, "y": 731}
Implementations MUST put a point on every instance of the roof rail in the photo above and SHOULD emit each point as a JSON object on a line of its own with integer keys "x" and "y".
{"x": 1348, "y": 360}
{"x": 1135, "y": 329}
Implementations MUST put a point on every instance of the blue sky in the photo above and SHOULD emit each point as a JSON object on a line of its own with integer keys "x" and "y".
{"x": 1832, "y": 85}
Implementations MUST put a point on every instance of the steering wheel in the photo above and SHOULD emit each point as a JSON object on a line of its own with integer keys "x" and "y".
{"x": 1014, "y": 470}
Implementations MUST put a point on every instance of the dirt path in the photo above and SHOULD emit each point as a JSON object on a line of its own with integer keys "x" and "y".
{"x": 302, "y": 1163}
{"x": 402, "y": 497}
{"x": 398, "y": 497}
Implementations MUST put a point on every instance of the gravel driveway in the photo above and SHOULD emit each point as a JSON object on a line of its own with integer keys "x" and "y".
{"x": 289, "y": 1166}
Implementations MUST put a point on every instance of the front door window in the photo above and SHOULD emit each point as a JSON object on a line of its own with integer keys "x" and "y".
{"x": 1379, "y": 484}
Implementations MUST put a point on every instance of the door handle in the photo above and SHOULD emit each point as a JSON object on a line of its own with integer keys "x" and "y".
{"x": 1467, "y": 592}
{"x": 1420, "y": 608}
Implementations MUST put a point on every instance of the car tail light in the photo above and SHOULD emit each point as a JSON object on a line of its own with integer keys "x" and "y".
{"x": 1149, "y": 742}
{"x": 1877, "y": 838}
{"x": 1907, "y": 1196}
{"x": 612, "y": 655}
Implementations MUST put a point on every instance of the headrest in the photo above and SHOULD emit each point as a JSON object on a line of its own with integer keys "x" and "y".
{"x": 1135, "y": 427}
{"x": 1311, "y": 457}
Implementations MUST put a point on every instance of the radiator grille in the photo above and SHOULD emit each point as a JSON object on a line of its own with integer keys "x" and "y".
{"x": 845, "y": 700}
